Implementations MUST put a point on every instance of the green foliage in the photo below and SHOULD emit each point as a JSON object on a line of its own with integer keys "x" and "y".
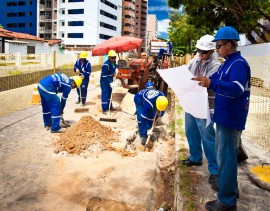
{"x": 183, "y": 34}
{"x": 243, "y": 15}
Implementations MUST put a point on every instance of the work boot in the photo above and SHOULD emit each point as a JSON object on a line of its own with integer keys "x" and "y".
{"x": 143, "y": 141}
{"x": 83, "y": 104}
{"x": 216, "y": 206}
{"x": 47, "y": 127}
{"x": 77, "y": 102}
{"x": 105, "y": 112}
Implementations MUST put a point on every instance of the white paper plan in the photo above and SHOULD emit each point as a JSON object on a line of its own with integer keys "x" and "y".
{"x": 192, "y": 97}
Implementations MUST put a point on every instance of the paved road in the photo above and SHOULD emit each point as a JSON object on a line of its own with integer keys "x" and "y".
{"x": 32, "y": 177}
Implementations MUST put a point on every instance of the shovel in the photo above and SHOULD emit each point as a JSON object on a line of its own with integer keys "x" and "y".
{"x": 151, "y": 131}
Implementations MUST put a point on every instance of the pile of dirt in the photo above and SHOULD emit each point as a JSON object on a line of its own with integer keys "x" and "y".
{"x": 84, "y": 134}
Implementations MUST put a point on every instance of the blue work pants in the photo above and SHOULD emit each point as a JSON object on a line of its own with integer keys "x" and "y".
{"x": 227, "y": 142}
{"x": 84, "y": 87}
{"x": 198, "y": 136}
{"x": 106, "y": 92}
{"x": 51, "y": 108}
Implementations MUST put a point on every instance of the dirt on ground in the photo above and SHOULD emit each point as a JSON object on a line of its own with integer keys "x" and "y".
{"x": 88, "y": 134}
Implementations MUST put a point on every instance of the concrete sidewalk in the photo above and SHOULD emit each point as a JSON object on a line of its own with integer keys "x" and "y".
{"x": 252, "y": 197}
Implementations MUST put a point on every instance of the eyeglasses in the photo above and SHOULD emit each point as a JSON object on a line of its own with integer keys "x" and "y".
{"x": 202, "y": 52}
{"x": 219, "y": 46}
{"x": 113, "y": 57}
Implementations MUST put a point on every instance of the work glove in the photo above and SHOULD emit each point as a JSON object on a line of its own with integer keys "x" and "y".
{"x": 149, "y": 132}
{"x": 77, "y": 71}
{"x": 112, "y": 85}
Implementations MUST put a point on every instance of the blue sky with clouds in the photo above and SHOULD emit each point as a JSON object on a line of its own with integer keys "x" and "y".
{"x": 161, "y": 10}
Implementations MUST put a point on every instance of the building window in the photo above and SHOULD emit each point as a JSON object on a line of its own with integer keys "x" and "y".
{"x": 21, "y": 24}
{"x": 29, "y": 25}
{"x": 108, "y": 26}
{"x": 11, "y": 4}
{"x": 63, "y": 35}
{"x": 30, "y": 14}
{"x": 11, "y": 14}
{"x": 75, "y": 35}
{"x": 30, "y": 2}
{"x": 21, "y": 3}
{"x": 21, "y": 14}
{"x": 63, "y": 1}
{"x": 76, "y": 11}
{"x": 63, "y": 23}
{"x": 109, "y": 4}
{"x": 104, "y": 37}
{"x": 75, "y": 0}
{"x": 75, "y": 23}
{"x": 63, "y": 12}
{"x": 102, "y": 12}
{"x": 12, "y": 25}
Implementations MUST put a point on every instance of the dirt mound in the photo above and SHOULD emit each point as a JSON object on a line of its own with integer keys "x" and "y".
{"x": 88, "y": 134}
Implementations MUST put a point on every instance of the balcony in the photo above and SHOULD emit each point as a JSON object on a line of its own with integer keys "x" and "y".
{"x": 129, "y": 29}
{"x": 130, "y": 13}
{"x": 129, "y": 5}
{"x": 129, "y": 21}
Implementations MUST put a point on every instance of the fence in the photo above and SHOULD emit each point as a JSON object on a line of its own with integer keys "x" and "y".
{"x": 24, "y": 63}
{"x": 258, "y": 122}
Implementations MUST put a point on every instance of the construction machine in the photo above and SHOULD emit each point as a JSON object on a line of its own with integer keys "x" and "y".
{"x": 141, "y": 70}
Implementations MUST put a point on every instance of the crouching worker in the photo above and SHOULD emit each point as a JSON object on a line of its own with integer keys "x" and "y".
{"x": 52, "y": 106}
{"x": 150, "y": 104}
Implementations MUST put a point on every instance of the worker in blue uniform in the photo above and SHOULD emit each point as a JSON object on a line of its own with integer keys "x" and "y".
{"x": 149, "y": 102}
{"x": 52, "y": 106}
{"x": 106, "y": 81}
{"x": 83, "y": 68}
{"x": 231, "y": 83}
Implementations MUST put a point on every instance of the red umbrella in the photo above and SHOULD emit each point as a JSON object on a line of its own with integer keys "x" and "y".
{"x": 119, "y": 44}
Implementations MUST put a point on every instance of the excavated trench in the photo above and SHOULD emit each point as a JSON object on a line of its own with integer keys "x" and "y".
{"x": 90, "y": 137}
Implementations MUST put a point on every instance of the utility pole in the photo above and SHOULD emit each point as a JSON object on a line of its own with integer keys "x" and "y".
{"x": 147, "y": 42}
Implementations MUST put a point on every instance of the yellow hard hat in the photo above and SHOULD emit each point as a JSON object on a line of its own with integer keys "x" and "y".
{"x": 77, "y": 79}
{"x": 161, "y": 103}
{"x": 83, "y": 55}
{"x": 112, "y": 53}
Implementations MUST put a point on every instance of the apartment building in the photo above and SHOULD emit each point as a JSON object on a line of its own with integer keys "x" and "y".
{"x": 152, "y": 27}
{"x": 80, "y": 24}
{"x": 19, "y": 16}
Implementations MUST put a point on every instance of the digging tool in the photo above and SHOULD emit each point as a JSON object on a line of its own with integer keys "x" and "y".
{"x": 65, "y": 122}
{"x": 79, "y": 110}
{"x": 110, "y": 119}
{"x": 150, "y": 132}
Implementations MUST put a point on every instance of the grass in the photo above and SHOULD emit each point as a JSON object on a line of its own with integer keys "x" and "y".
{"x": 185, "y": 174}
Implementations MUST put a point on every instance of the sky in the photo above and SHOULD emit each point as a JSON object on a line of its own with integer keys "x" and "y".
{"x": 161, "y": 10}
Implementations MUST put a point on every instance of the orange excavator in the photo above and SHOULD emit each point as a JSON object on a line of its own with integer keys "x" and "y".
{"x": 141, "y": 70}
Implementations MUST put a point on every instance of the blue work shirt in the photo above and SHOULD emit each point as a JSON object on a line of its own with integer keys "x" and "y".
{"x": 148, "y": 98}
{"x": 85, "y": 68}
{"x": 231, "y": 83}
{"x": 107, "y": 72}
{"x": 57, "y": 83}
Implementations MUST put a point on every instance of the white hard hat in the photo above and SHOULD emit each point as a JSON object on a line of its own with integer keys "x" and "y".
{"x": 205, "y": 43}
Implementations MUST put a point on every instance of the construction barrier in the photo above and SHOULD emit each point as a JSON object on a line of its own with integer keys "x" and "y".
{"x": 35, "y": 96}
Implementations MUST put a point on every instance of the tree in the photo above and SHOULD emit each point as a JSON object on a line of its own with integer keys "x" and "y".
{"x": 184, "y": 35}
{"x": 244, "y": 15}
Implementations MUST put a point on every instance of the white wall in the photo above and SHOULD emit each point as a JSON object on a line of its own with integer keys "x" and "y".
{"x": 258, "y": 57}
{"x": 255, "y": 50}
